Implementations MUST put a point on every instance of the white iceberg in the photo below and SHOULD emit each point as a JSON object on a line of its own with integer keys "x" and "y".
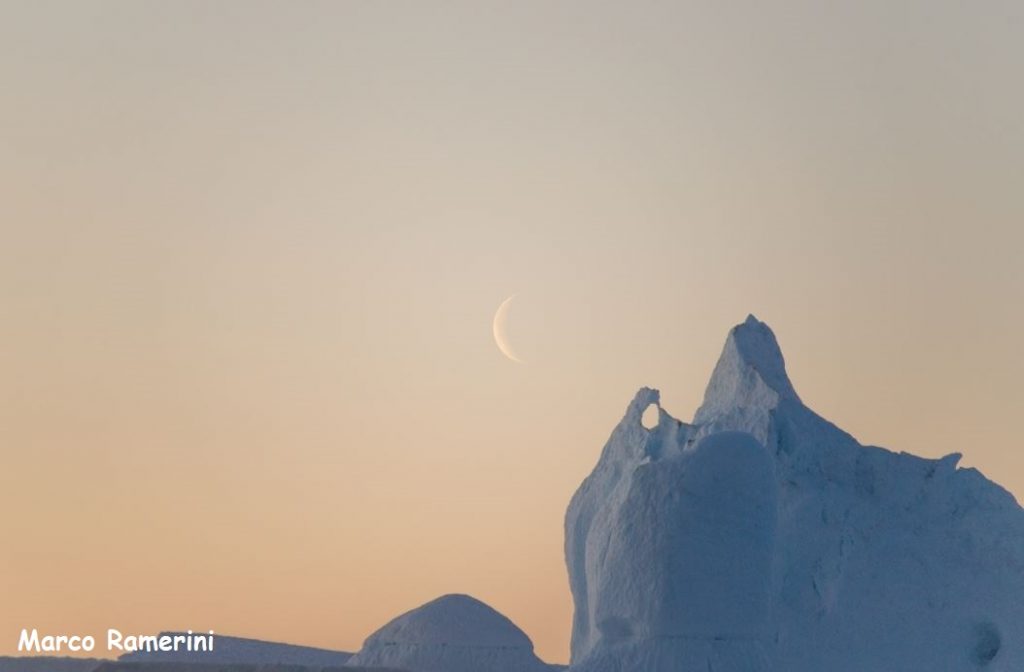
{"x": 454, "y": 633}
{"x": 762, "y": 537}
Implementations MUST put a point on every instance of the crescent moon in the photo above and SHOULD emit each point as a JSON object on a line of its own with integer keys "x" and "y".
{"x": 500, "y": 338}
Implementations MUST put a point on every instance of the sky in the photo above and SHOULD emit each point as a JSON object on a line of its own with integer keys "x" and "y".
{"x": 250, "y": 253}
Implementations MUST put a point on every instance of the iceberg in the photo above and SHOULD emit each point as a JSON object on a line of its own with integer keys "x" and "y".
{"x": 761, "y": 537}
{"x": 454, "y": 633}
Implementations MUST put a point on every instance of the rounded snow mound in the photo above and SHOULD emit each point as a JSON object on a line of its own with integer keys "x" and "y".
{"x": 454, "y": 633}
{"x": 454, "y": 620}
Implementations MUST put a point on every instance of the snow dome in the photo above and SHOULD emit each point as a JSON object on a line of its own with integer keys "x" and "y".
{"x": 454, "y": 633}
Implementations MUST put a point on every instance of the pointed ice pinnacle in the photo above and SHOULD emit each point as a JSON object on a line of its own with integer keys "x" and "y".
{"x": 751, "y": 373}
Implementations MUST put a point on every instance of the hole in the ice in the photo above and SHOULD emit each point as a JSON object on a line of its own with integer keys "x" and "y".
{"x": 986, "y": 644}
{"x": 650, "y": 417}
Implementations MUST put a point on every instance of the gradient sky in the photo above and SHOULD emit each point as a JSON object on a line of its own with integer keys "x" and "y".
{"x": 250, "y": 253}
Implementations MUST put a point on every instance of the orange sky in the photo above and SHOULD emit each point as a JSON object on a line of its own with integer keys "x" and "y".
{"x": 250, "y": 253}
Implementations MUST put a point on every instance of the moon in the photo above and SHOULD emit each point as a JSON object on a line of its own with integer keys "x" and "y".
{"x": 500, "y": 337}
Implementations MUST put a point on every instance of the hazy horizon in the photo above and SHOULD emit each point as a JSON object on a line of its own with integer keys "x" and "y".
{"x": 250, "y": 254}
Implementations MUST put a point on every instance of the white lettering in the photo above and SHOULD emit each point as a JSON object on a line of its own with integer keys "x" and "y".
{"x": 33, "y": 641}
{"x": 29, "y": 642}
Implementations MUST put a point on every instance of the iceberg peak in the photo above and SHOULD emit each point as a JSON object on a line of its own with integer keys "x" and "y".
{"x": 750, "y": 373}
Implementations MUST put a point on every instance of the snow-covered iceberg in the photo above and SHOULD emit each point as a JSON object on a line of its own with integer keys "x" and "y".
{"x": 242, "y": 651}
{"x": 762, "y": 537}
{"x": 454, "y": 633}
